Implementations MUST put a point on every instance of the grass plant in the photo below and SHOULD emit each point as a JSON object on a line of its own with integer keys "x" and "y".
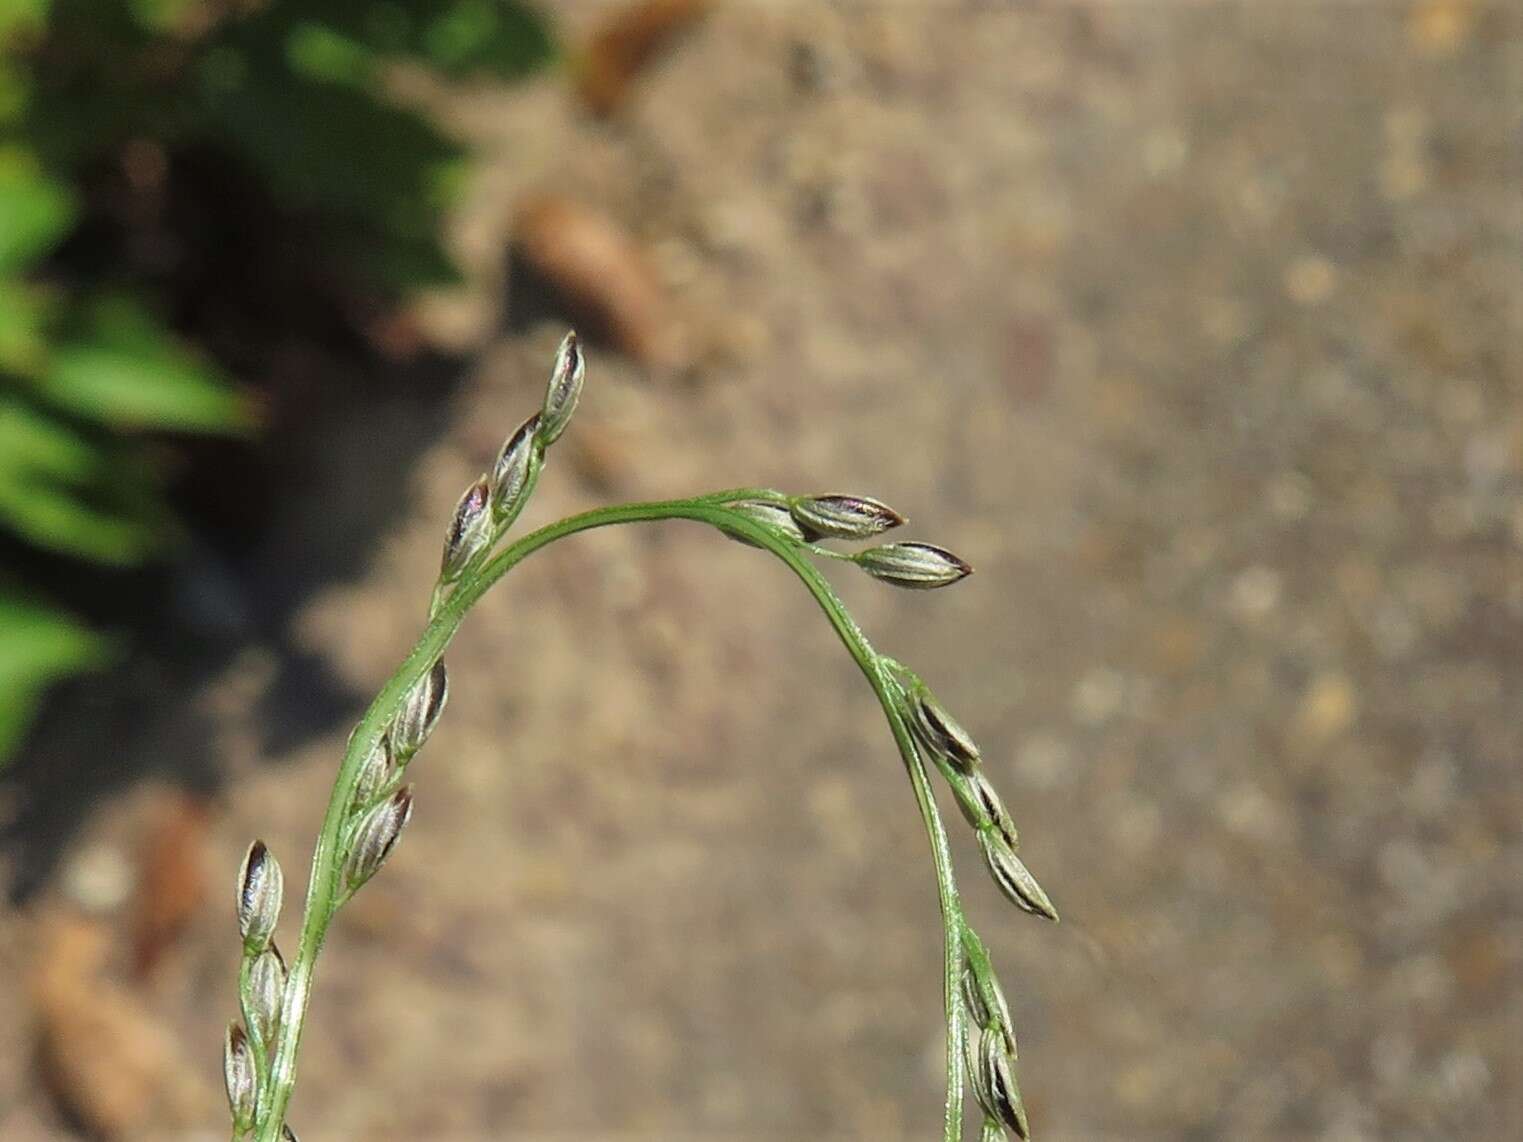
{"x": 372, "y": 801}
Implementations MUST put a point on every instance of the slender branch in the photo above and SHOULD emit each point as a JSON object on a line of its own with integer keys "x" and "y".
{"x": 448, "y": 612}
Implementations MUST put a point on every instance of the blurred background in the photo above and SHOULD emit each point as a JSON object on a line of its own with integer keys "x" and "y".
{"x": 1195, "y": 327}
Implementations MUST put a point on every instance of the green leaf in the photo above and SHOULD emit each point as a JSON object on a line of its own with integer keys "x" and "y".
{"x": 318, "y": 52}
{"x": 128, "y": 372}
{"x": 38, "y": 642}
{"x": 35, "y": 211}
{"x": 55, "y": 518}
{"x": 23, "y": 313}
{"x": 38, "y": 646}
{"x": 507, "y": 39}
{"x": 41, "y": 446}
{"x": 48, "y": 473}
{"x": 21, "y": 17}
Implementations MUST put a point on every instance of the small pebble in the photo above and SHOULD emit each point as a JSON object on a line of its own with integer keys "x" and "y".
{"x": 98, "y": 878}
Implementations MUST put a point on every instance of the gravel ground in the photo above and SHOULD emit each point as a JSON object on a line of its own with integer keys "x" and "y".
{"x": 1196, "y": 328}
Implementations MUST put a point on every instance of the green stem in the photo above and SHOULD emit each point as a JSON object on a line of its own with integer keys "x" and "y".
{"x": 322, "y": 890}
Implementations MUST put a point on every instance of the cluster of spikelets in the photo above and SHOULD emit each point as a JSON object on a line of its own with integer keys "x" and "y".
{"x": 990, "y": 1039}
{"x": 260, "y": 1051}
{"x": 381, "y": 806}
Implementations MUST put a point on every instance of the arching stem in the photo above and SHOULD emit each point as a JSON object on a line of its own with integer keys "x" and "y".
{"x": 448, "y": 612}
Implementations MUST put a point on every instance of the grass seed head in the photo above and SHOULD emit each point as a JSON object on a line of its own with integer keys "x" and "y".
{"x": 564, "y": 391}
{"x": 376, "y": 836}
{"x": 972, "y": 1045}
{"x": 997, "y": 1071}
{"x": 838, "y": 515}
{"x": 238, "y": 1075}
{"x": 973, "y": 999}
{"x": 941, "y": 733}
{"x": 266, "y": 990}
{"x": 360, "y": 835}
{"x": 470, "y": 530}
{"x": 987, "y": 1006}
{"x": 987, "y": 807}
{"x": 376, "y": 773}
{"x": 420, "y": 712}
{"x": 914, "y": 565}
{"x": 261, "y": 885}
{"x": 510, "y": 473}
{"x": 977, "y": 799}
{"x": 1013, "y": 878}
{"x": 776, "y": 518}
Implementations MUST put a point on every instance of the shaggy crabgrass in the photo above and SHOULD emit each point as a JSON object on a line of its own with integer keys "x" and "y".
{"x": 371, "y": 803}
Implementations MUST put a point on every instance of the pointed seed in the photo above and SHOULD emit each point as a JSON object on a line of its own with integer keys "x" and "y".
{"x": 1012, "y": 877}
{"x": 266, "y": 991}
{"x": 972, "y": 1044}
{"x": 981, "y": 805}
{"x": 420, "y": 712}
{"x": 470, "y": 530}
{"x": 973, "y": 999}
{"x": 843, "y": 516}
{"x": 987, "y": 1006}
{"x": 999, "y": 1014}
{"x": 238, "y": 1074}
{"x": 260, "y": 887}
{"x": 376, "y": 772}
{"x": 774, "y": 517}
{"x": 941, "y": 733}
{"x": 998, "y": 814}
{"x": 564, "y": 391}
{"x": 918, "y": 566}
{"x": 510, "y": 474}
{"x": 376, "y": 836}
{"x": 998, "y": 1072}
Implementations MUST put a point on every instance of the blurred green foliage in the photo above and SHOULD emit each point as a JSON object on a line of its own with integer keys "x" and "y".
{"x": 91, "y": 377}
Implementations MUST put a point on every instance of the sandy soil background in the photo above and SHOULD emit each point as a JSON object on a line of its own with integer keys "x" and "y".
{"x": 1195, "y": 328}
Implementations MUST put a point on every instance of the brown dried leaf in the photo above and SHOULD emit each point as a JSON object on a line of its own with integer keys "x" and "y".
{"x": 601, "y": 274}
{"x": 625, "y": 43}
{"x": 171, "y": 878}
{"x": 106, "y": 1057}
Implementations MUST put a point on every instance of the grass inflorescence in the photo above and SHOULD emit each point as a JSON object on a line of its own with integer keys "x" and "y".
{"x": 372, "y": 802}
